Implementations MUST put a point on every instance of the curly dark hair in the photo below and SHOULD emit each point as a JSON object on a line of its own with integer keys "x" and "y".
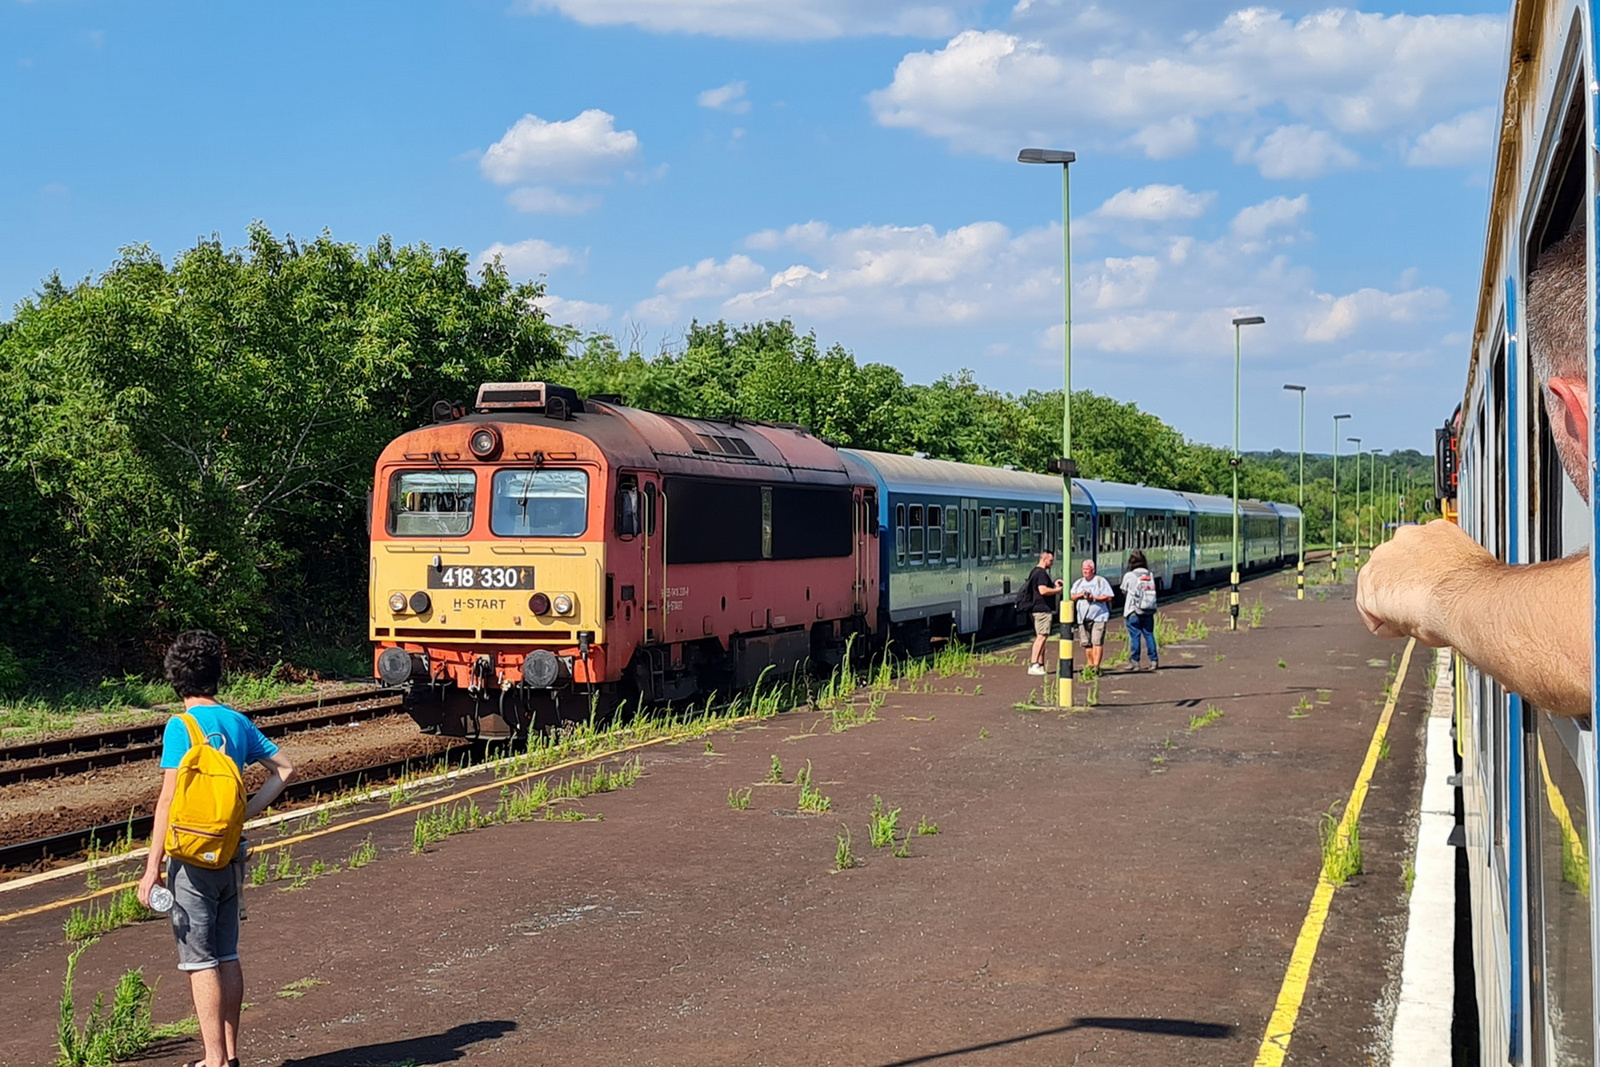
{"x": 194, "y": 663}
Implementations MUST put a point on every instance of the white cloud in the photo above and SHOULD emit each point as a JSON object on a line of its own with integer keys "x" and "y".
{"x": 1339, "y": 317}
{"x": 728, "y": 97}
{"x": 1157, "y": 203}
{"x": 541, "y": 199}
{"x": 1297, "y": 151}
{"x": 710, "y": 278}
{"x": 1350, "y": 73}
{"x": 767, "y": 19}
{"x": 1468, "y": 138}
{"x": 1253, "y": 222}
{"x": 526, "y": 259}
{"x": 579, "y": 313}
{"x": 578, "y": 149}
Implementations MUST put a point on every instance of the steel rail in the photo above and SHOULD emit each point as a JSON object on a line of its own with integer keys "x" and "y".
{"x": 109, "y": 748}
{"x": 73, "y": 842}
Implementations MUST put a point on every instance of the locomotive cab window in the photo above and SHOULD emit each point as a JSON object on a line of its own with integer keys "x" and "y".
{"x": 431, "y": 503}
{"x": 543, "y": 503}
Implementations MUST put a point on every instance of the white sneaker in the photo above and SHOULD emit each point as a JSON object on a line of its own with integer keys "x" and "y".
{"x": 1036, "y": 668}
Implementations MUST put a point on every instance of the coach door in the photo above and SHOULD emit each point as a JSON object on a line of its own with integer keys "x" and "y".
{"x": 968, "y": 581}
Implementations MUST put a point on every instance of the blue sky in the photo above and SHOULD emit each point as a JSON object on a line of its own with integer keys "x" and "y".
{"x": 849, "y": 164}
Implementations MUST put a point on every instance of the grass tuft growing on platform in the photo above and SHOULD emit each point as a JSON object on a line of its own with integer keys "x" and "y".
{"x": 123, "y": 1033}
{"x": 1341, "y": 854}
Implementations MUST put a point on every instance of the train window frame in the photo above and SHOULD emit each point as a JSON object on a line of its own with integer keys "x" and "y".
{"x": 395, "y": 492}
{"x": 629, "y": 508}
{"x": 985, "y": 533}
{"x": 952, "y": 536}
{"x": 933, "y": 545}
{"x": 533, "y": 473}
{"x": 1013, "y": 532}
{"x": 1025, "y": 530}
{"x": 916, "y": 534}
{"x": 900, "y": 534}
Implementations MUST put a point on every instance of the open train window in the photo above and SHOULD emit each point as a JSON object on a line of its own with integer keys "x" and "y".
{"x": 900, "y": 533}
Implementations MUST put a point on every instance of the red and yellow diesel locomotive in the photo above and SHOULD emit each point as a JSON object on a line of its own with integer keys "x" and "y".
{"x": 544, "y": 546}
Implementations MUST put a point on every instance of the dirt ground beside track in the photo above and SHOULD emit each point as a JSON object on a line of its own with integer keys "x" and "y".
{"x": 1106, "y": 887}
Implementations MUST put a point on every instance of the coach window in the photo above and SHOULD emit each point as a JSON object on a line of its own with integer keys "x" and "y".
{"x": 985, "y": 533}
{"x": 542, "y": 503}
{"x": 431, "y": 503}
{"x": 1012, "y": 532}
{"x": 900, "y": 533}
{"x": 952, "y": 536}
{"x": 914, "y": 535}
{"x": 1025, "y": 531}
{"x": 935, "y": 533}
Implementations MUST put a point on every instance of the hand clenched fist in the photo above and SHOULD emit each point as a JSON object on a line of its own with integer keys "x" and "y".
{"x": 1408, "y": 586}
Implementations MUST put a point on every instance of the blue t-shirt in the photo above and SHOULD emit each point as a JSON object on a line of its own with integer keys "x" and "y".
{"x": 225, "y": 729}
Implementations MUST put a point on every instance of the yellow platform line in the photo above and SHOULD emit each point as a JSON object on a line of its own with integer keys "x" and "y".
{"x": 1280, "y": 1028}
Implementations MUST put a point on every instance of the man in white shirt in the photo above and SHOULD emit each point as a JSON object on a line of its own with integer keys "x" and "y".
{"x": 1091, "y": 599}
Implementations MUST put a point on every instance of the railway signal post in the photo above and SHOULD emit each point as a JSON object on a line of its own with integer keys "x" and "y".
{"x": 1065, "y": 159}
{"x": 1233, "y": 592}
{"x": 1300, "y": 565}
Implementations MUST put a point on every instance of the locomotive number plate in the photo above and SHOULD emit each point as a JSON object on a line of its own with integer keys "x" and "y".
{"x": 480, "y": 577}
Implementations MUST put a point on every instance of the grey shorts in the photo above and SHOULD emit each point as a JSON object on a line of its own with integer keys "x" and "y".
{"x": 1092, "y": 634}
{"x": 205, "y": 913}
{"x": 1042, "y": 621}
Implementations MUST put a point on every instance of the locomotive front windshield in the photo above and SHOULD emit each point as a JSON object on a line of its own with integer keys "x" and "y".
{"x": 432, "y": 503}
{"x": 546, "y": 503}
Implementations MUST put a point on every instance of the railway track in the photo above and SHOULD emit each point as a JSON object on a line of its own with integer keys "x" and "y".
{"x": 76, "y": 842}
{"x": 74, "y": 754}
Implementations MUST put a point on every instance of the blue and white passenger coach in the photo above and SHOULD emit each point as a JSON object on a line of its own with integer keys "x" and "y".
{"x": 959, "y": 539}
{"x": 1528, "y": 778}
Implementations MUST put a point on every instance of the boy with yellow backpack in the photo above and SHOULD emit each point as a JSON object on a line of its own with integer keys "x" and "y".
{"x": 198, "y": 821}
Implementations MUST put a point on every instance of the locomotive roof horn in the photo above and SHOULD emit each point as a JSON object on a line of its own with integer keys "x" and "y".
{"x": 558, "y": 401}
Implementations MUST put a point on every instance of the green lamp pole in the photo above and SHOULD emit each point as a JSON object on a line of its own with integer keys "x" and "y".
{"x": 1335, "y": 531}
{"x": 1300, "y": 569}
{"x": 1064, "y": 159}
{"x": 1233, "y": 595}
{"x": 1357, "y": 442}
{"x": 1375, "y": 523}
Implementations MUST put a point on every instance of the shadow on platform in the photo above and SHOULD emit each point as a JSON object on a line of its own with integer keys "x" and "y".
{"x": 432, "y": 1048}
{"x": 1169, "y": 1027}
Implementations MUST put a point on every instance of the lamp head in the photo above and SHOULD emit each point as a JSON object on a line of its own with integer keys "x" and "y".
{"x": 1296, "y": 388}
{"x": 1045, "y": 155}
{"x": 1249, "y": 320}
{"x": 1353, "y": 440}
{"x": 1336, "y": 418}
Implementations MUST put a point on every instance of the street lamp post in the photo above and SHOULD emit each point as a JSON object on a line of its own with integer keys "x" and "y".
{"x": 1335, "y": 530}
{"x": 1300, "y": 570}
{"x": 1064, "y": 159}
{"x": 1357, "y": 442}
{"x": 1233, "y": 595}
{"x": 1374, "y": 524}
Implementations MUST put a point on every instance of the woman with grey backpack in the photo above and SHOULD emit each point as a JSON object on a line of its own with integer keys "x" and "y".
{"x": 1139, "y": 609}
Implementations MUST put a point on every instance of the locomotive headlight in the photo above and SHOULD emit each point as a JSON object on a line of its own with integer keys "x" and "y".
{"x": 539, "y": 604}
{"x": 484, "y": 442}
{"x": 562, "y": 603}
{"x": 420, "y": 602}
{"x": 397, "y": 603}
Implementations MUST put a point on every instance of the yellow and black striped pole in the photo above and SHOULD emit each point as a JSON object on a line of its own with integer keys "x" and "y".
{"x": 1233, "y": 461}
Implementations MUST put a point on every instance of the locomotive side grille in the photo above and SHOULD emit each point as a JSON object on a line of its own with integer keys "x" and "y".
{"x": 529, "y": 636}
{"x": 426, "y": 631}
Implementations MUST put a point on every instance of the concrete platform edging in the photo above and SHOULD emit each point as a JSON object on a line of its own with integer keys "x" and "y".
{"x": 1423, "y": 1016}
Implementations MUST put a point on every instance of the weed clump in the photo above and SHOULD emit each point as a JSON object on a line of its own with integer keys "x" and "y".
{"x": 1206, "y": 718}
{"x": 739, "y": 799}
{"x": 775, "y": 772}
{"x": 926, "y": 826}
{"x": 843, "y": 857}
{"x": 1341, "y": 853}
{"x": 106, "y": 1037}
{"x": 882, "y": 825}
{"x": 123, "y": 909}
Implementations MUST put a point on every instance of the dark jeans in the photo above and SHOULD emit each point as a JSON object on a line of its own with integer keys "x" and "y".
{"x": 1142, "y": 624}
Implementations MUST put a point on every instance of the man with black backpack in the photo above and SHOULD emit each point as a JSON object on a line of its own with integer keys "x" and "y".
{"x": 1039, "y": 596}
{"x": 198, "y": 820}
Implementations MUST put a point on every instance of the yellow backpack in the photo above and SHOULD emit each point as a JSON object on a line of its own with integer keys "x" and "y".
{"x": 207, "y": 814}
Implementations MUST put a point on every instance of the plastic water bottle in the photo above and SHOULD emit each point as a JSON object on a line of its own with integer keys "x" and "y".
{"x": 160, "y": 898}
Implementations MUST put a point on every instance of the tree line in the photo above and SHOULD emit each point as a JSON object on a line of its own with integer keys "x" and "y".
{"x": 191, "y": 443}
